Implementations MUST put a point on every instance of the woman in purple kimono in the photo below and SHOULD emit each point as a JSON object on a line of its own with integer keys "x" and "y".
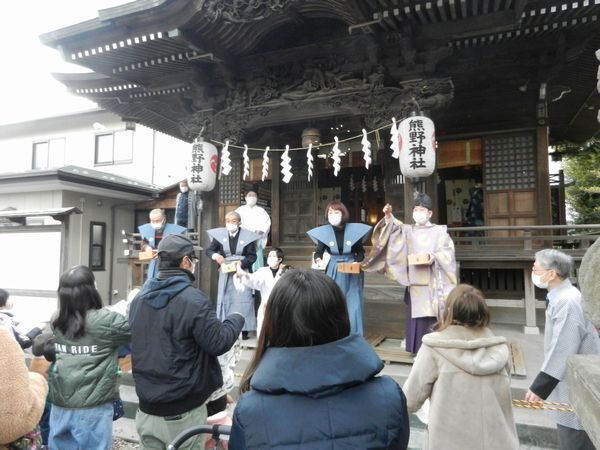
{"x": 344, "y": 242}
{"x": 420, "y": 257}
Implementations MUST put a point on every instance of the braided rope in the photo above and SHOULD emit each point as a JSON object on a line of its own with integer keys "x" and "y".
{"x": 547, "y": 406}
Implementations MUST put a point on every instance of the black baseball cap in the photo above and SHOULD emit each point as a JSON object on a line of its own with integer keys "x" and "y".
{"x": 176, "y": 246}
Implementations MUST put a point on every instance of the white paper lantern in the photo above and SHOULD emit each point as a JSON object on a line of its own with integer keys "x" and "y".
{"x": 202, "y": 175}
{"x": 417, "y": 147}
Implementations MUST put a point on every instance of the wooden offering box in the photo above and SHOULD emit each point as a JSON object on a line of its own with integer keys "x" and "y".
{"x": 145, "y": 256}
{"x": 418, "y": 259}
{"x": 228, "y": 267}
{"x": 348, "y": 267}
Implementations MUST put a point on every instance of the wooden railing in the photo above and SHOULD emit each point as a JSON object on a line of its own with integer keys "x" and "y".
{"x": 523, "y": 240}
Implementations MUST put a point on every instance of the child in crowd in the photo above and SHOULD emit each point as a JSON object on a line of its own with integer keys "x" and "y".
{"x": 312, "y": 384}
{"x": 263, "y": 280}
{"x": 84, "y": 378}
{"x": 7, "y": 321}
{"x": 464, "y": 370}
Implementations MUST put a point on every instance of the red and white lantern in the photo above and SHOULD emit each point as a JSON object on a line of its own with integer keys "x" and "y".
{"x": 417, "y": 147}
{"x": 202, "y": 175}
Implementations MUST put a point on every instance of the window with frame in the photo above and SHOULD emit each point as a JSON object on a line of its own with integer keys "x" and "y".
{"x": 114, "y": 148}
{"x": 49, "y": 153}
{"x": 97, "y": 245}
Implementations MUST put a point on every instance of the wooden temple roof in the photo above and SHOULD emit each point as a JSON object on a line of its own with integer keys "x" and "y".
{"x": 477, "y": 65}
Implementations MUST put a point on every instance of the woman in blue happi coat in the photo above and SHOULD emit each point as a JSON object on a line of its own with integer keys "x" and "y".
{"x": 344, "y": 242}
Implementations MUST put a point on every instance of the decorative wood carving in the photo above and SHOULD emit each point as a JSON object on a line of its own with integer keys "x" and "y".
{"x": 243, "y": 11}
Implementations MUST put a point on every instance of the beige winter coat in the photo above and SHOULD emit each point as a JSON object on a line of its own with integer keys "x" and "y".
{"x": 463, "y": 371}
{"x": 22, "y": 394}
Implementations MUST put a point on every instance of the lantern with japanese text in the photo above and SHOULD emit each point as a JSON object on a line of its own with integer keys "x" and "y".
{"x": 202, "y": 175}
{"x": 417, "y": 147}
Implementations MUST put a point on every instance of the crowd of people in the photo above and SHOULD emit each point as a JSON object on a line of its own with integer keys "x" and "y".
{"x": 313, "y": 382}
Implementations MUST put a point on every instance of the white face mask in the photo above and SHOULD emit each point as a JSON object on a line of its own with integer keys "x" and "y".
{"x": 183, "y": 189}
{"x": 251, "y": 201}
{"x": 231, "y": 227}
{"x": 334, "y": 219}
{"x": 157, "y": 226}
{"x": 9, "y": 304}
{"x": 193, "y": 268}
{"x": 537, "y": 280}
{"x": 273, "y": 262}
{"x": 420, "y": 217}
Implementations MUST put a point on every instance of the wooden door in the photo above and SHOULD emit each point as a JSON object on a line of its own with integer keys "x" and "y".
{"x": 510, "y": 208}
{"x": 297, "y": 204}
{"x": 510, "y": 182}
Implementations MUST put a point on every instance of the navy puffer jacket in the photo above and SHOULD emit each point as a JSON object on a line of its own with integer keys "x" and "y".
{"x": 321, "y": 397}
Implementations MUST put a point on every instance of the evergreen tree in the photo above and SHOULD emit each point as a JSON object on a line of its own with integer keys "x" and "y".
{"x": 582, "y": 166}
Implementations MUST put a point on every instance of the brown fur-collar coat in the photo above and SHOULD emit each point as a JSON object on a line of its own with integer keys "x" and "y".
{"x": 22, "y": 394}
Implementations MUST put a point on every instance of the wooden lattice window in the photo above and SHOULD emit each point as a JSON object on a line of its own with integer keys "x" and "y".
{"x": 510, "y": 162}
{"x": 229, "y": 185}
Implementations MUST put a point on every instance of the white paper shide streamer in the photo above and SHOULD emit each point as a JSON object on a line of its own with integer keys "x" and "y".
{"x": 395, "y": 139}
{"x": 309, "y": 161}
{"x": 366, "y": 148}
{"x": 286, "y": 168}
{"x": 225, "y": 159}
{"x": 337, "y": 159}
{"x": 363, "y": 184}
{"x": 246, "y": 163}
{"x": 375, "y": 184}
{"x": 265, "y": 164}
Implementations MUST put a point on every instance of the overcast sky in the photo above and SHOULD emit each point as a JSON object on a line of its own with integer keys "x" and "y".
{"x": 27, "y": 88}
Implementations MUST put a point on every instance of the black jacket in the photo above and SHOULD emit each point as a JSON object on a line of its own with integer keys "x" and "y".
{"x": 176, "y": 338}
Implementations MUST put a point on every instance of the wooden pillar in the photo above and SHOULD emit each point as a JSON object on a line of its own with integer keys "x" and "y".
{"x": 208, "y": 218}
{"x": 562, "y": 213}
{"x": 530, "y": 318}
{"x": 544, "y": 203}
{"x": 275, "y": 199}
{"x": 409, "y": 200}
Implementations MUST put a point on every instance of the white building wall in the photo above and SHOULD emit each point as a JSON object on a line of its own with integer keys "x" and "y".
{"x": 157, "y": 158}
{"x": 32, "y": 200}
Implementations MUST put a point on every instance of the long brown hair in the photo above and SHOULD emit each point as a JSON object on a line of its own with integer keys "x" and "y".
{"x": 465, "y": 306}
{"x": 305, "y": 308}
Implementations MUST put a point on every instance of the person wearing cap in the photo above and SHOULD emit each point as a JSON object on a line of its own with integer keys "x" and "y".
{"x": 420, "y": 257}
{"x": 153, "y": 232}
{"x": 176, "y": 339}
{"x": 233, "y": 248}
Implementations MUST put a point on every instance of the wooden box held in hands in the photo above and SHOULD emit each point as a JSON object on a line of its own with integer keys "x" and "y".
{"x": 228, "y": 267}
{"x": 418, "y": 259}
{"x": 348, "y": 267}
{"x": 145, "y": 256}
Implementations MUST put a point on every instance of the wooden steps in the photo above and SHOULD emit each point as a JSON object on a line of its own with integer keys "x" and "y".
{"x": 517, "y": 360}
{"x": 389, "y": 350}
